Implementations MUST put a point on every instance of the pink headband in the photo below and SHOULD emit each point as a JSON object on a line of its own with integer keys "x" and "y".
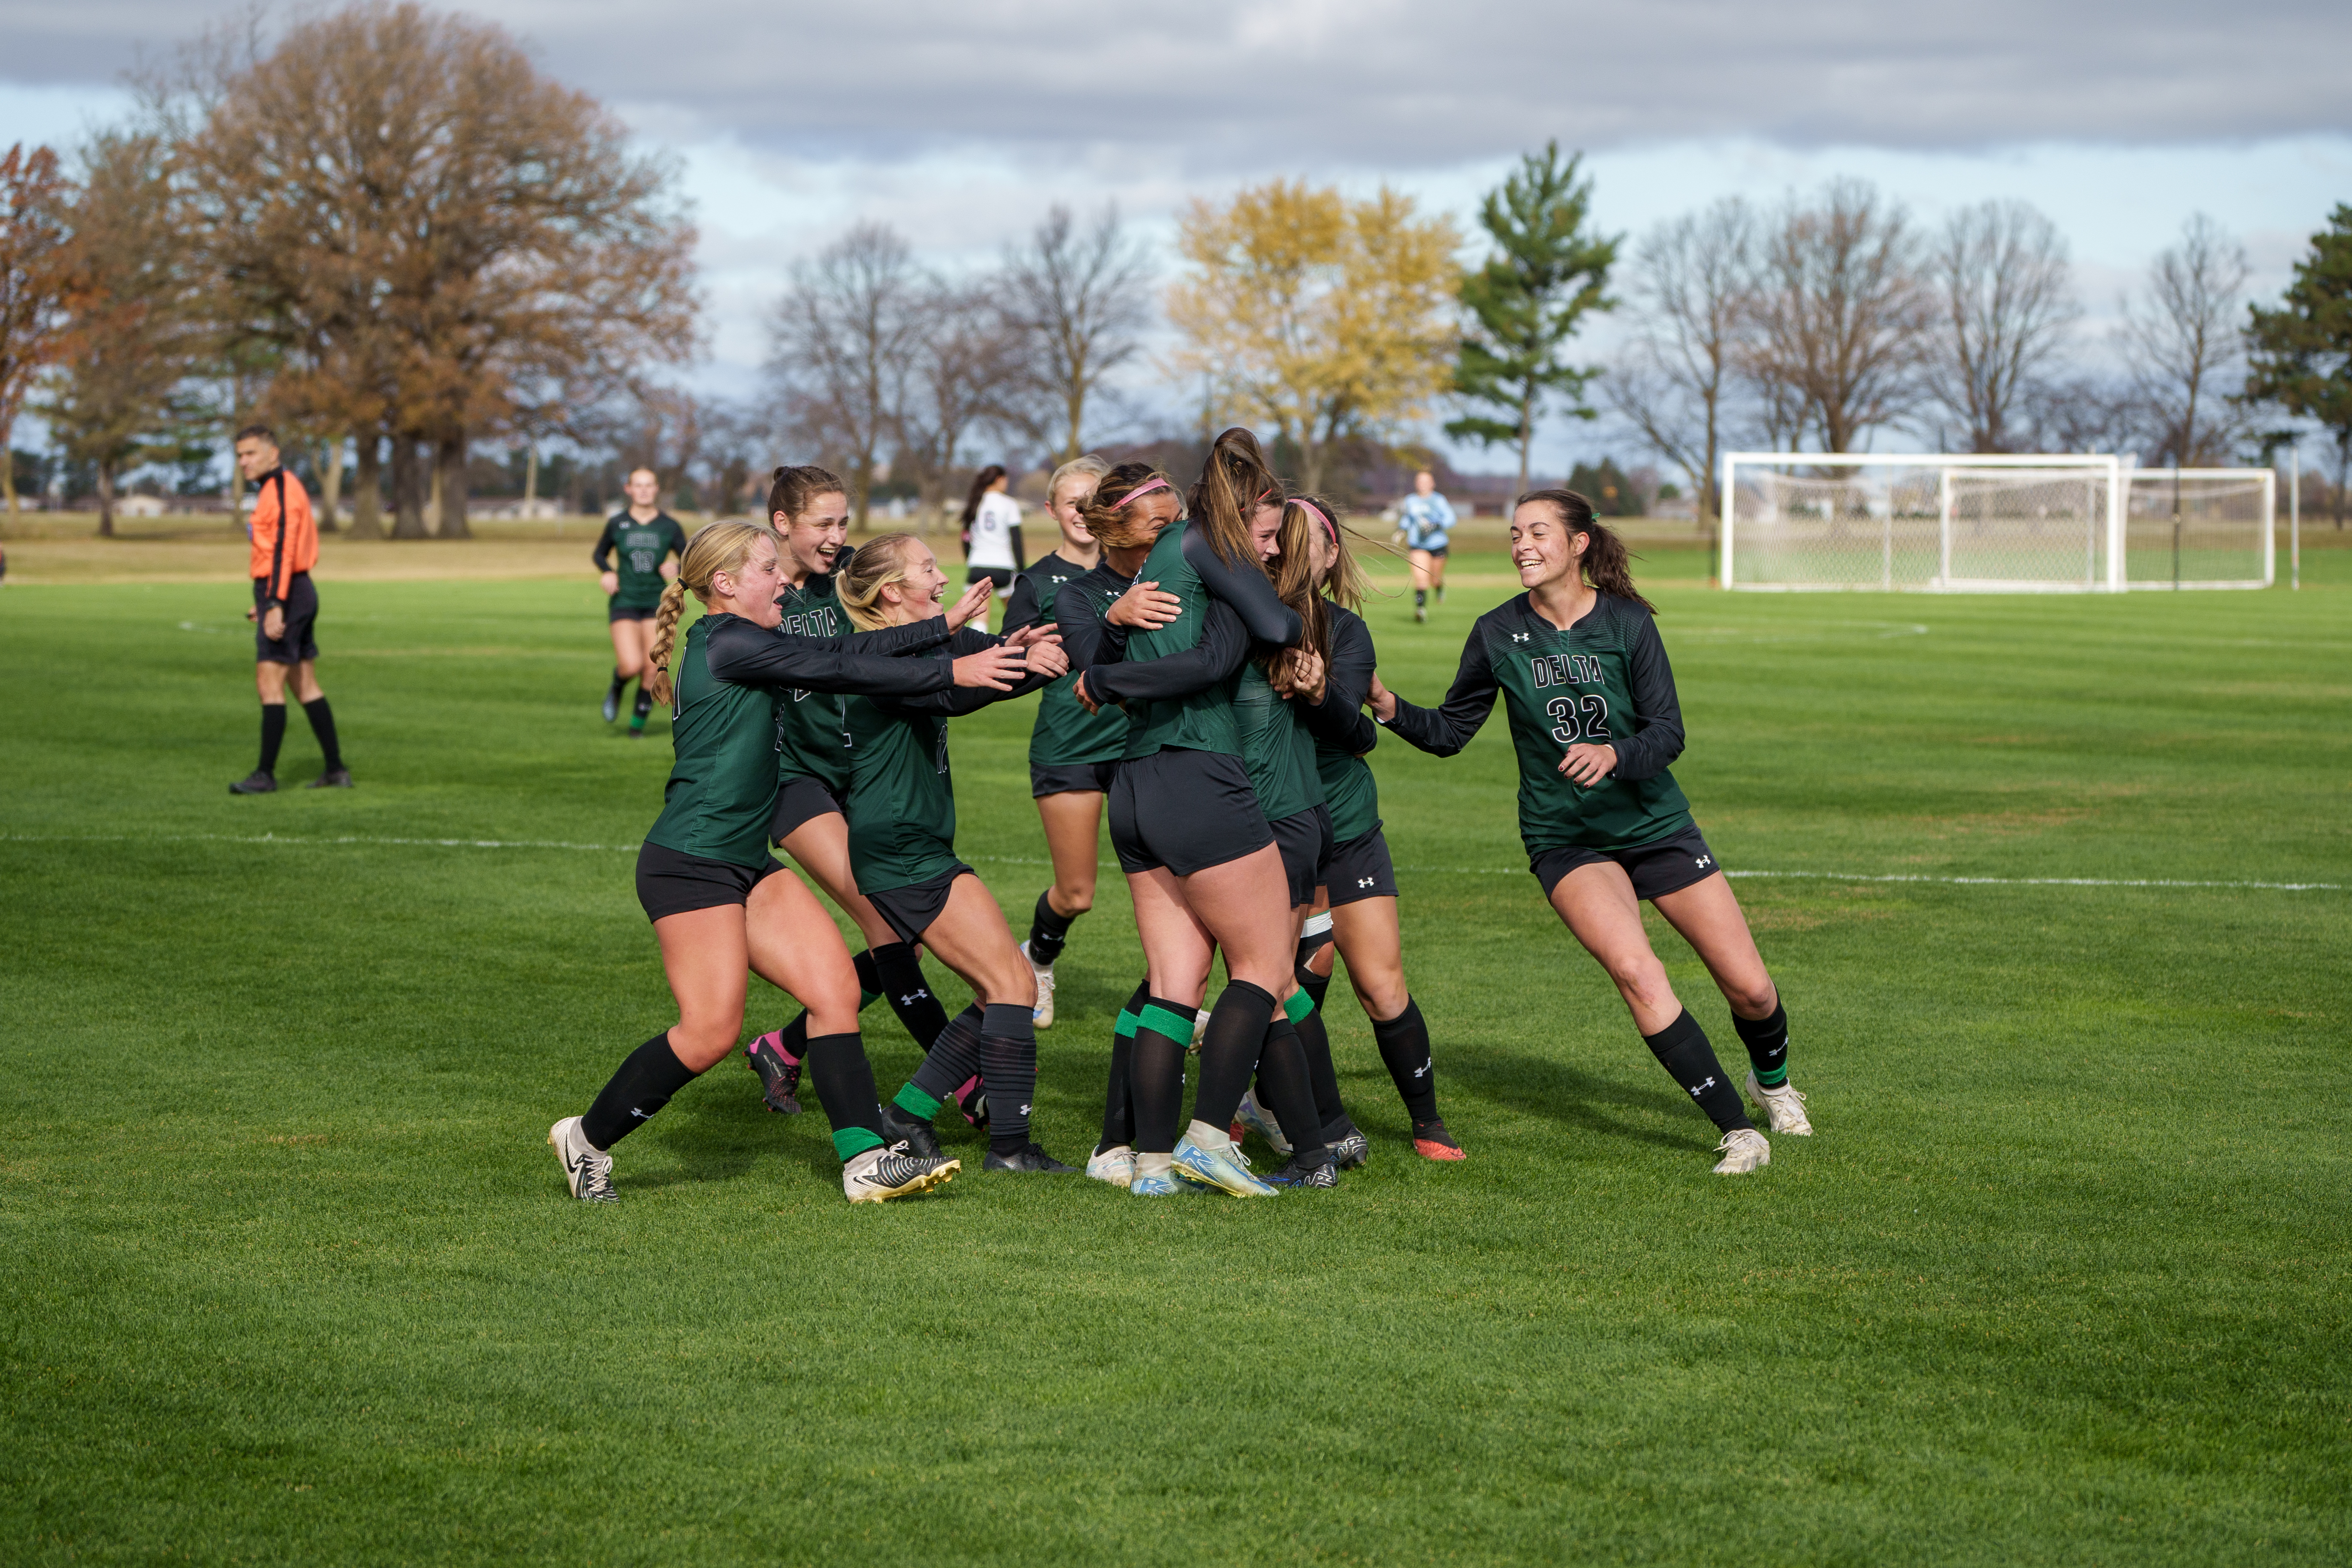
{"x": 1142, "y": 489}
{"x": 1317, "y": 512}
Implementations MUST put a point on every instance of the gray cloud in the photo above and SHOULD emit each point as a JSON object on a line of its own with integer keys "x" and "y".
{"x": 1214, "y": 85}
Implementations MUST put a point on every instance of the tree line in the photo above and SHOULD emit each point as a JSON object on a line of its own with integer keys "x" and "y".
{"x": 385, "y": 233}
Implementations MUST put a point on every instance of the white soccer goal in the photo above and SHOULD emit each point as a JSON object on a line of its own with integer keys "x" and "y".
{"x": 1966, "y": 522}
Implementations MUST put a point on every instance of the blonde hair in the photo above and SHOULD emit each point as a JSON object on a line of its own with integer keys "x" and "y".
{"x": 1088, "y": 468}
{"x": 878, "y": 562}
{"x": 720, "y": 547}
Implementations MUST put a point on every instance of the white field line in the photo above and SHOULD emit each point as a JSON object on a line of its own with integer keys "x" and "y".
{"x": 1029, "y": 860}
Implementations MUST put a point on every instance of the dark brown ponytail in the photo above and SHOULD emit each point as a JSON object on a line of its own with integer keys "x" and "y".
{"x": 1236, "y": 479}
{"x": 1608, "y": 565}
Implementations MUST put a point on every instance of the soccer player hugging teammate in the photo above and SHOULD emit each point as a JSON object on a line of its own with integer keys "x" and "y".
{"x": 719, "y": 904}
{"x": 1199, "y": 859}
{"x": 1594, "y": 720}
{"x": 1072, "y": 753}
{"x": 902, "y": 822}
{"x": 1356, "y": 897}
{"x": 642, "y": 537}
{"x": 809, "y": 509}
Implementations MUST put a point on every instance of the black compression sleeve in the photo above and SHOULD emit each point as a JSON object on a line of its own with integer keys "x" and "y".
{"x": 1658, "y": 737}
{"x": 753, "y": 655}
{"x": 1446, "y": 730}
{"x": 1340, "y": 718}
{"x": 1264, "y": 614}
{"x": 953, "y": 700}
{"x": 1020, "y": 559}
{"x": 1021, "y": 609}
{"x": 1223, "y": 647}
{"x": 602, "y": 555}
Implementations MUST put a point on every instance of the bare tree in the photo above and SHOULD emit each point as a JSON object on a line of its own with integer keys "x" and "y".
{"x": 2004, "y": 303}
{"x": 964, "y": 365}
{"x": 35, "y": 281}
{"x": 1692, "y": 277}
{"x": 1081, "y": 303}
{"x": 2184, "y": 346}
{"x": 1840, "y": 310}
{"x": 845, "y": 338}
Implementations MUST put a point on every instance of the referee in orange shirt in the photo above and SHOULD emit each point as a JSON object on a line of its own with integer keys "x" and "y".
{"x": 285, "y": 605}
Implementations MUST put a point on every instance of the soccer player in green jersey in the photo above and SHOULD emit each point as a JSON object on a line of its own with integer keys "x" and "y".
{"x": 632, "y": 557}
{"x": 1355, "y": 912}
{"x": 809, "y": 509}
{"x": 902, "y": 821}
{"x": 1200, "y": 857}
{"x": 719, "y": 906}
{"x": 1072, "y": 753}
{"x": 1594, "y": 720}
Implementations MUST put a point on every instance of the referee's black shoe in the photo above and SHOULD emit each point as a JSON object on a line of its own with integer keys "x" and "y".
{"x": 333, "y": 778}
{"x": 260, "y": 781}
{"x": 1031, "y": 1158}
{"x": 900, "y": 1127}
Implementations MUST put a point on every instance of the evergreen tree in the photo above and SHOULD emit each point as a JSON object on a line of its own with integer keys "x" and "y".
{"x": 1549, "y": 271}
{"x": 2300, "y": 354}
{"x": 1607, "y": 487}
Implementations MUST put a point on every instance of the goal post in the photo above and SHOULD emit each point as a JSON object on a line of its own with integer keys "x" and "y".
{"x": 1937, "y": 522}
{"x": 2201, "y": 528}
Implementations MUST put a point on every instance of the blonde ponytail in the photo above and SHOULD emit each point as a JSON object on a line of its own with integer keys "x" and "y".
{"x": 673, "y": 601}
{"x": 878, "y": 562}
{"x": 720, "y": 547}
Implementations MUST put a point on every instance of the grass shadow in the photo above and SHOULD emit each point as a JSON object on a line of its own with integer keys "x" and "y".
{"x": 1561, "y": 1093}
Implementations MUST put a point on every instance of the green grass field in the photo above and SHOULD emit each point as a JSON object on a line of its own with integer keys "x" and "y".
{"x": 290, "y": 1276}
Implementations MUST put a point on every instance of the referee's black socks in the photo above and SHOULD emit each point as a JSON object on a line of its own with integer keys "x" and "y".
{"x": 273, "y": 734}
{"x": 629, "y": 1099}
{"x": 1683, "y": 1050}
{"x": 1767, "y": 1040}
{"x": 323, "y": 725}
{"x": 1049, "y": 932}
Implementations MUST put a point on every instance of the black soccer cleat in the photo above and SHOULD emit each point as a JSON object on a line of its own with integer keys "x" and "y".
{"x": 333, "y": 778}
{"x": 900, "y": 1127}
{"x": 1031, "y": 1158}
{"x": 612, "y": 704}
{"x": 1299, "y": 1174}
{"x": 1350, "y": 1149}
{"x": 260, "y": 781}
{"x": 779, "y": 1080}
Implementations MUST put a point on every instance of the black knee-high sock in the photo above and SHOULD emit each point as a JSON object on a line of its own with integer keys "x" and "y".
{"x": 1767, "y": 1040}
{"x": 792, "y": 1040}
{"x": 1156, "y": 1073}
{"x": 1008, "y": 1071}
{"x": 1404, "y": 1050}
{"x": 954, "y": 1056}
{"x": 1284, "y": 1078}
{"x": 619, "y": 680}
{"x": 1322, "y": 1074}
{"x": 844, "y": 1086}
{"x": 642, "y": 1085}
{"x": 1229, "y": 1051}
{"x": 1316, "y": 986}
{"x": 1119, "y": 1100}
{"x": 1049, "y": 930}
{"x": 898, "y": 975}
{"x": 645, "y": 705}
{"x": 1683, "y": 1050}
{"x": 1420, "y": 597}
{"x": 273, "y": 734}
{"x": 323, "y": 725}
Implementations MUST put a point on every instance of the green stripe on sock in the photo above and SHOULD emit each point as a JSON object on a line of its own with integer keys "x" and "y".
{"x": 1126, "y": 1027}
{"x": 1776, "y": 1078}
{"x": 867, "y": 999}
{"x": 915, "y": 1102}
{"x": 1160, "y": 1021}
{"x": 851, "y": 1142}
{"x": 1299, "y": 1005}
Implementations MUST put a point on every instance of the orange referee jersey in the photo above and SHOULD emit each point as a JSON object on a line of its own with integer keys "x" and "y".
{"x": 285, "y": 534}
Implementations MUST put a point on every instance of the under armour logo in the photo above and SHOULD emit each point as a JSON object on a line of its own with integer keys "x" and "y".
{"x": 1421, "y": 1071}
{"x": 1024, "y": 1110}
{"x": 1363, "y": 881}
{"x": 1705, "y": 861}
{"x": 913, "y": 998}
{"x": 1697, "y": 1090}
{"x": 641, "y": 1115}
{"x": 1518, "y": 637}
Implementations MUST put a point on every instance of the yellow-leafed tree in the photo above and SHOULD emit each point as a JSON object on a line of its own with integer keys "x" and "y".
{"x": 1321, "y": 316}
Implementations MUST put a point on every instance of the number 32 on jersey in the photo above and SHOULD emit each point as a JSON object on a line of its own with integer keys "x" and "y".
{"x": 1581, "y": 716}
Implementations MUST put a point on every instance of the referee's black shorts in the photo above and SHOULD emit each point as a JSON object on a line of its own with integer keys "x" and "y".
{"x": 295, "y": 644}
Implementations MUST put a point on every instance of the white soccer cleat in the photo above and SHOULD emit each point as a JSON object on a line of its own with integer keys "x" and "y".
{"x": 1199, "y": 1027}
{"x": 1743, "y": 1150}
{"x": 1041, "y": 1016}
{"x": 1784, "y": 1107}
{"x": 878, "y": 1176}
{"x": 1116, "y": 1166}
{"x": 587, "y": 1170}
{"x": 1260, "y": 1121}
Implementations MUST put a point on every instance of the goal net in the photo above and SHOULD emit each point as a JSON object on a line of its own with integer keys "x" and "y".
{"x": 1988, "y": 523}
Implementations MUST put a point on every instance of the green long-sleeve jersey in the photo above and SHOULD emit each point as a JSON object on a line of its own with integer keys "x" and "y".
{"x": 1065, "y": 732}
{"x": 1276, "y": 749}
{"x": 1603, "y": 682}
{"x": 812, "y": 727}
{"x": 1340, "y": 731}
{"x": 634, "y": 552}
{"x": 722, "y": 786}
{"x": 901, "y": 798}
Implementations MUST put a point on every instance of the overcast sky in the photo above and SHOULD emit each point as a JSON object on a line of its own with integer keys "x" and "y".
{"x": 961, "y": 122}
